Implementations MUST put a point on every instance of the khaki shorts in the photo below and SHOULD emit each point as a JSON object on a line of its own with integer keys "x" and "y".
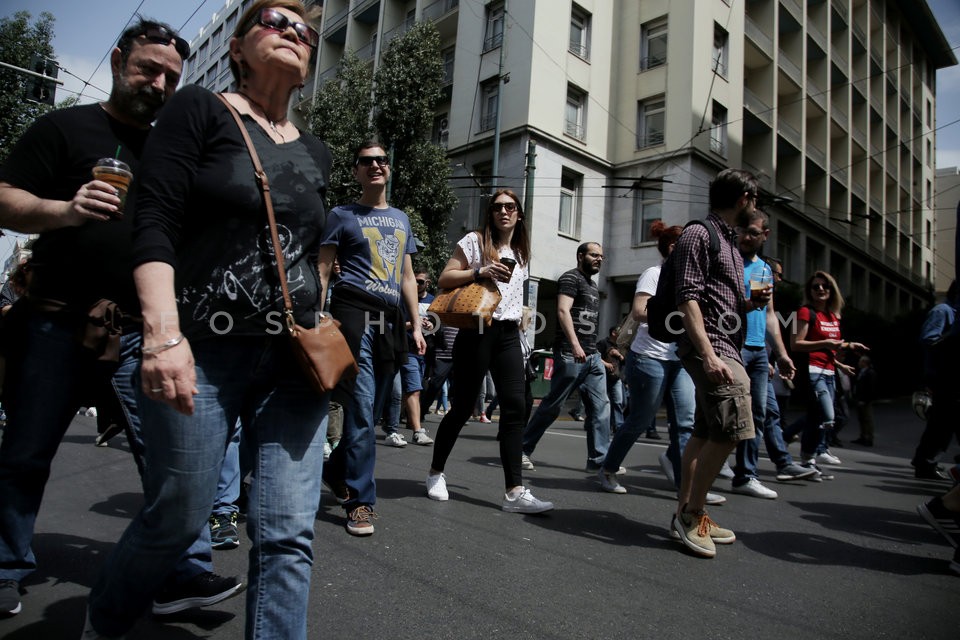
{"x": 723, "y": 410}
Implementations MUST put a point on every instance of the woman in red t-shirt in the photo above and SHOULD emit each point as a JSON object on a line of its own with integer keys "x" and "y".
{"x": 818, "y": 334}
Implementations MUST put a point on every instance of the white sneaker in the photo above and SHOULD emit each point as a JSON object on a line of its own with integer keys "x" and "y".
{"x": 608, "y": 482}
{"x": 725, "y": 471}
{"x": 828, "y": 458}
{"x": 421, "y": 438}
{"x": 712, "y": 499}
{"x": 755, "y": 488}
{"x": 327, "y": 450}
{"x": 526, "y": 464}
{"x": 395, "y": 440}
{"x": 525, "y": 503}
{"x": 437, "y": 487}
{"x": 91, "y": 412}
{"x": 667, "y": 467}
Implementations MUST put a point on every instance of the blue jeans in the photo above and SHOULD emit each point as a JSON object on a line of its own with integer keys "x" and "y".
{"x": 773, "y": 432}
{"x": 820, "y": 415}
{"x": 47, "y": 378}
{"x": 757, "y": 364}
{"x": 615, "y": 394}
{"x": 649, "y": 381}
{"x": 231, "y": 474}
{"x": 254, "y": 380}
{"x": 353, "y": 460}
{"x": 590, "y": 379}
{"x": 408, "y": 380}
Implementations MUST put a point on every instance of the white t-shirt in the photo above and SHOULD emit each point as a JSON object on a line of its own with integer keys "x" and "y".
{"x": 642, "y": 343}
{"x": 511, "y": 306}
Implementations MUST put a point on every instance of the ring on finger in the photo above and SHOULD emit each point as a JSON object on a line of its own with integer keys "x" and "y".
{"x": 156, "y": 390}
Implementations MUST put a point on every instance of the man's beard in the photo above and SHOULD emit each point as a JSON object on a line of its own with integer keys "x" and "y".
{"x": 141, "y": 105}
{"x": 589, "y": 267}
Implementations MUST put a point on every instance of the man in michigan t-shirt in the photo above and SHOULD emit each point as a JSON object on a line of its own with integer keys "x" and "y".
{"x": 576, "y": 362}
{"x": 372, "y": 242}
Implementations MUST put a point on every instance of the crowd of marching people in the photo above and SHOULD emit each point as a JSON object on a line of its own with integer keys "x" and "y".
{"x": 167, "y": 298}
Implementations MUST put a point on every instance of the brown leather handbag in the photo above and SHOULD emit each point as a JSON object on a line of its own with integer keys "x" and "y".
{"x": 467, "y": 306}
{"x": 323, "y": 352}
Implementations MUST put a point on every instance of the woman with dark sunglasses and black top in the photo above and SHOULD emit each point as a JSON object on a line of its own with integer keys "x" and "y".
{"x": 214, "y": 348}
{"x": 481, "y": 255}
{"x": 818, "y": 334}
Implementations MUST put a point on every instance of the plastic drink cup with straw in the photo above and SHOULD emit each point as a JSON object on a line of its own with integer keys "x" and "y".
{"x": 117, "y": 174}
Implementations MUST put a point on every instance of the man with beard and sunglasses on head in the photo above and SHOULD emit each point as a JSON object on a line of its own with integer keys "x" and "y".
{"x": 83, "y": 255}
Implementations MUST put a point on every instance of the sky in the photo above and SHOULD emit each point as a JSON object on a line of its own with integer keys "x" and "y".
{"x": 86, "y": 30}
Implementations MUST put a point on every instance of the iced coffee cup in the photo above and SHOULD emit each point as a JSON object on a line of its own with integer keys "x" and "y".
{"x": 117, "y": 174}
{"x": 760, "y": 279}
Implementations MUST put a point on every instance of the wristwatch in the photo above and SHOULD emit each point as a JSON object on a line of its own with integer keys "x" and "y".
{"x": 476, "y": 274}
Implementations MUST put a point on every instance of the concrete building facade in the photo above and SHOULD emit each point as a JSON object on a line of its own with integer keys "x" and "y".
{"x": 635, "y": 105}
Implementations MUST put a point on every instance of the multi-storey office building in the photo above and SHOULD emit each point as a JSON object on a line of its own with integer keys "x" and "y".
{"x": 635, "y": 105}
{"x": 947, "y": 187}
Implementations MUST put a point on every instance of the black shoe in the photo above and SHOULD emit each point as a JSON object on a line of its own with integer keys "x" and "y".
{"x": 9, "y": 598}
{"x": 201, "y": 591}
{"x": 931, "y": 473}
{"x": 863, "y": 442}
{"x": 340, "y": 490}
{"x": 223, "y": 531}
{"x": 653, "y": 435}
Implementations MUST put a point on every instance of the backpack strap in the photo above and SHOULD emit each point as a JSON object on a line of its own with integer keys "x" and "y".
{"x": 714, "y": 245}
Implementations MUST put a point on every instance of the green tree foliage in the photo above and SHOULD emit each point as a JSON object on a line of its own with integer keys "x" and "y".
{"x": 341, "y": 118}
{"x": 407, "y": 91}
{"x": 20, "y": 41}
{"x": 408, "y": 85}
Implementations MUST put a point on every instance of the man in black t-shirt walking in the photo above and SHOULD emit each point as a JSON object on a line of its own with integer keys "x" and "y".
{"x": 83, "y": 254}
{"x": 576, "y": 362}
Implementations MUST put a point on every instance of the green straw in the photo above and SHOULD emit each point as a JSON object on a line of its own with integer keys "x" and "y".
{"x": 117, "y": 155}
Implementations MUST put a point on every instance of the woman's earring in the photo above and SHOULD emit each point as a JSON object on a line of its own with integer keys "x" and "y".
{"x": 300, "y": 91}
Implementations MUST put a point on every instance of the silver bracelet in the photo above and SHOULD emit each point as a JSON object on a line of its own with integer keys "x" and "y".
{"x": 160, "y": 348}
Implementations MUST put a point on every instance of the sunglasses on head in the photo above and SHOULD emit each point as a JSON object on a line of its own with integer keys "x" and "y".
{"x": 159, "y": 34}
{"x": 509, "y": 207}
{"x": 273, "y": 19}
{"x": 367, "y": 161}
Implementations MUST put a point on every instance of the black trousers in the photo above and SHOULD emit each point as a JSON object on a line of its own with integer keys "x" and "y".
{"x": 497, "y": 349}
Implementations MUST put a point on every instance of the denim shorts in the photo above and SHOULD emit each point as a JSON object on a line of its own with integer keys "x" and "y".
{"x": 723, "y": 410}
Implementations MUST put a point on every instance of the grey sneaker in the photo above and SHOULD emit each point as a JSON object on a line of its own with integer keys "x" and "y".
{"x": 9, "y": 598}
{"x": 526, "y": 464}
{"x": 395, "y": 440}
{"x": 793, "y": 471}
{"x": 525, "y": 503}
{"x": 437, "y": 487}
{"x": 608, "y": 482}
{"x": 421, "y": 438}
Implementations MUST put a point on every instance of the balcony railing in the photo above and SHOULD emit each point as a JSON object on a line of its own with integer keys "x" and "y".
{"x": 579, "y": 49}
{"x": 758, "y": 36}
{"x": 334, "y": 23}
{"x": 790, "y": 67}
{"x": 439, "y": 9}
{"x": 758, "y": 107}
{"x": 650, "y": 139}
{"x": 817, "y": 154}
{"x": 492, "y": 42}
{"x": 488, "y": 121}
{"x": 717, "y": 145}
{"x": 789, "y": 133}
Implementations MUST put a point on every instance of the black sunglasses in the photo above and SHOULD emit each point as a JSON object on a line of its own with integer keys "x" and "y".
{"x": 509, "y": 207}
{"x": 161, "y": 35}
{"x": 422, "y": 282}
{"x": 273, "y": 19}
{"x": 367, "y": 161}
{"x": 825, "y": 287}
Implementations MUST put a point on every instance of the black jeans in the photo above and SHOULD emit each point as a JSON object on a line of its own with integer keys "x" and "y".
{"x": 496, "y": 349}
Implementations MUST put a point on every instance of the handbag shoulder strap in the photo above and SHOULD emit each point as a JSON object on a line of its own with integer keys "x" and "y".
{"x": 264, "y": 183}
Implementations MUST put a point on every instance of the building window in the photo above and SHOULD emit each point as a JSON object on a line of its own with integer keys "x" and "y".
{"x": 493, "y": 36}
{"x": 653, "y": 44}
{"x": 650, "y": 123}
{"x": 231, "y": 23}
{"x": 569, "y": 204}
{"x": 718, "y": 130}
{"x": 580, "y": 32}
{"x": 720, "y": 53}
{"x": 647, "y": 208}
{"x": 217, "y": 38}
{"x": 441, "y": 130}
{"x": 448, "y": 59}
{"x": 575, "y": 120}
{"x": 202, "y": 55}
{"x": 488, "y": 106}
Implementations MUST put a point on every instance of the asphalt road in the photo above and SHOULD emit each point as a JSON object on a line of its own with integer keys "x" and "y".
{"x": 846, "y": 559}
